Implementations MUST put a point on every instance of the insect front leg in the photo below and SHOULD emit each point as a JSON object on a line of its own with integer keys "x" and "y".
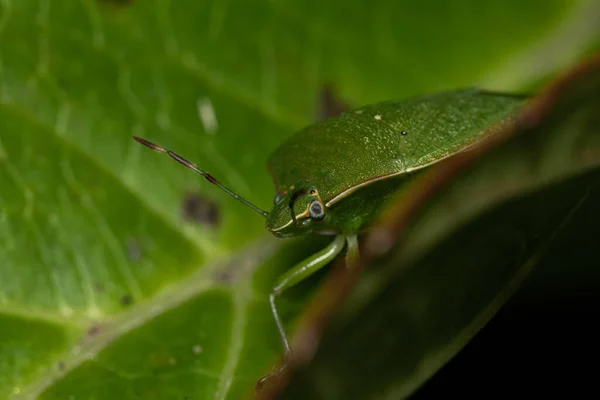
{"x": 297, "y": 274}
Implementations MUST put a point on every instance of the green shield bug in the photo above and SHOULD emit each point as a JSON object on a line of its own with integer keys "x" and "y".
{"x": 334, "y": 176}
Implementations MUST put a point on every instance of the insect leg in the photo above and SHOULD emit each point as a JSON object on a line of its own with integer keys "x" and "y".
{"x": 353, "y": 254}
{"x": 297, "y": 274}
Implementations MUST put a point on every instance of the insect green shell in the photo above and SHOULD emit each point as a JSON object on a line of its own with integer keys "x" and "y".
{"x": 343, "y": 157}
{"x": 334, "y": 176}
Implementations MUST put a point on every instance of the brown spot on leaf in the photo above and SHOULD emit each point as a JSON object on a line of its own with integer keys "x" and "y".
{"x": 230, "y": 272}
{"x": 99, "y": 286}
{"x": 199, "y": 209}
{"x": 226, "y": 275}
{"x": 126, "y": 300}
{"x": 163, "y": 358}
{"x": 94, "y": 330}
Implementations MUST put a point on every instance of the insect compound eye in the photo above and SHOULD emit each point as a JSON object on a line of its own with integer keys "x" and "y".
{"x": 316, "y": 210}
{"x": 278, "y": 197}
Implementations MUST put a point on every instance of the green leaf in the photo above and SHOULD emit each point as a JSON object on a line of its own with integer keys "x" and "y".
{"x": 465, "y": 236}
{"x": 122, "y": 275}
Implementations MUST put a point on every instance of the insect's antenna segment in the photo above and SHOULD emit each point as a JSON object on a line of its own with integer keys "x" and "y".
{"x": 194, "y": 168}
{"x": 293, "y": 199}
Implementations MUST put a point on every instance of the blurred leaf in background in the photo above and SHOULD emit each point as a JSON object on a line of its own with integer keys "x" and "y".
{"x": 122, "y": 275}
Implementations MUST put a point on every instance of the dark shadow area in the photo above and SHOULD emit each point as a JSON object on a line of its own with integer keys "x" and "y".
{"x": 545, "y": 340}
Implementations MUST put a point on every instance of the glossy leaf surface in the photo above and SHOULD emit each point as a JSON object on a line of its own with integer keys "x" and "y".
{"x": 123, "y": 275}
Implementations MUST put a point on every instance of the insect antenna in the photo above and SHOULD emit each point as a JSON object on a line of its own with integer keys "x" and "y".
{"x": 293, "y": 199}
{"x": 205, "y": 174}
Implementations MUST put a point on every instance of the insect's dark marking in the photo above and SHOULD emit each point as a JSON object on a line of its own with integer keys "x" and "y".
{"x": 60, "y": 365}
{"x": 293, "y": 199}
{"x": 329, "y": 103}
{"x": 188, "y": 164}
{"x": 200, "y": 209}
{"x": 149, "y": 144}
{"x": 210, "y": 178}
{"x": 126, "y": 300}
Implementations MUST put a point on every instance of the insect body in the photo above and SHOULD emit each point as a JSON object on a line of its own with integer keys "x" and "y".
{"x": 334, "y": 176}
